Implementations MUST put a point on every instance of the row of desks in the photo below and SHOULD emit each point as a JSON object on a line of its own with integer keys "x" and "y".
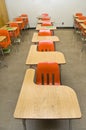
{"x": 45, "y": 101}
{"x": 81, "y": 22}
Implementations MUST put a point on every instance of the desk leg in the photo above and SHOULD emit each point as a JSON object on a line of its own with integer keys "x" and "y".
{"x": 70, "y": 128}
{"x": 60, "y": 72}
{"x": 24, "y": 123}
{"x": 33, "y": 66}
{"x": 2, "y": 64}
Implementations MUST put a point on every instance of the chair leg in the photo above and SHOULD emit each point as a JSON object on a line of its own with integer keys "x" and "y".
{"x": 2, "y": 64}
{"x": 1, "y": 49}
{"x": 83, "y": 46}
{"x": 17, "y": 40}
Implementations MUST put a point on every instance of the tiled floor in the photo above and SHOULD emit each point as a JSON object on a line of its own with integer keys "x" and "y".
{"x": 73, "y": 74}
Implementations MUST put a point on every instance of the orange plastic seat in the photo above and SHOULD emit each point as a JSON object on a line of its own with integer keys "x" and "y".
{"x": 45, "y": 18}
{"x": 46, "y": 23}
{"x": 47, "y": 74}
{"x": 45, "y": 33}
{"x": 15, "y": 33}
{"x": 4, "y": 44}
{"x": 22, "y": 24}
{"x": 46, "y": 45}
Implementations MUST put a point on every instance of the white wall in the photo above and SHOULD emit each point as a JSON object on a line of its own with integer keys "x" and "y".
{"x": 59, "y": 10}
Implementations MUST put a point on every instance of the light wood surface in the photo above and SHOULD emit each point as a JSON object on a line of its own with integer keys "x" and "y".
{"x": 83, "y": 25}
{"x": 24, "y": 17}
{"x": 2, "y": 38}
{"x": 41, "y": 21}
{"x": 19, "y": 22}
{"x": 39, "y": 27}
{"x": 75, "y": 16}
{"x": 9, "y": 28}
{"x": 37, "y": 38}
{"x": 80, "y": 21}
{"x": 34, "y": 56}
{"x": 46, "y": 102}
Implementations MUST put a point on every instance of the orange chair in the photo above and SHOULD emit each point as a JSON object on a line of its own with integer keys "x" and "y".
{"x": 46, "y": 45}
{"x": 78, "y": 24}
{"x": 16, "y": 33}
{"x": 83, "y": 32}
{"x": 46, "y": 23}
{"x": 45, "y": 18}
{"x": 22, "y": 24}
{"x": 48, "y": 74}
{"x": 26, "y": 19}
{"x": 84, "y": 22}
{"x": 7, "y": 42}
{"x": 78, "y": 14}
{"x": 4, "y": 45}
{"x": 82, "y": 17}
{"x": 44, "y": 14}
{"x": 45, "y": 33}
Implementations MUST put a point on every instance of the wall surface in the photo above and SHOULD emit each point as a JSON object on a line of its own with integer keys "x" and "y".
{"x": 59, "y": 10}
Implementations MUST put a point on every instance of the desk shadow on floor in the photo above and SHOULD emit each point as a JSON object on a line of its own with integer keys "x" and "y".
{"x": 47, "y": 124}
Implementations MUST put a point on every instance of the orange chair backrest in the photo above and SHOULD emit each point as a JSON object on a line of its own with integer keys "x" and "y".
{"x": 45, "y": 18}
{"x": 14, "y": 24}
{"x": 44, "y": 14}
{"x": 26, "y": 18}
{"x": 24, "y": 15}
{"x": 78, "y": 14}
{"x": 82, "y": 17}
{"x": 45, "y": 33}
{"x": 7, "y": 42}
{"x": 47, "y": 23}
{"x": 46, "y": 45}
{"x": 23, "y": 24}
{"x": 84, "y": 22}
{"x": 47, "y": 74}
{"x": 19, "y": 19}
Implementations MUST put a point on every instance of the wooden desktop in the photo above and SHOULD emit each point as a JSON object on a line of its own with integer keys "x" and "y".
{"x": 35, "y": 56}
{"x": 2, "y": 38}
{"x": 39, "y": 27}
{"x": 45, "y": 101}
{"x": 41, "y": 21}
{"x": 37, "y": 38}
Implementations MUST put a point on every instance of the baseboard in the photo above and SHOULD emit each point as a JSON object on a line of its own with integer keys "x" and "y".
{"x": 32, "y": 28}
{"x": 56, "y": 27}
{"x": 65, "y": 27}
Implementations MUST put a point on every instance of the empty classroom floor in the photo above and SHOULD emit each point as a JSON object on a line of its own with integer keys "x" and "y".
{"x": 73, "y": 74}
